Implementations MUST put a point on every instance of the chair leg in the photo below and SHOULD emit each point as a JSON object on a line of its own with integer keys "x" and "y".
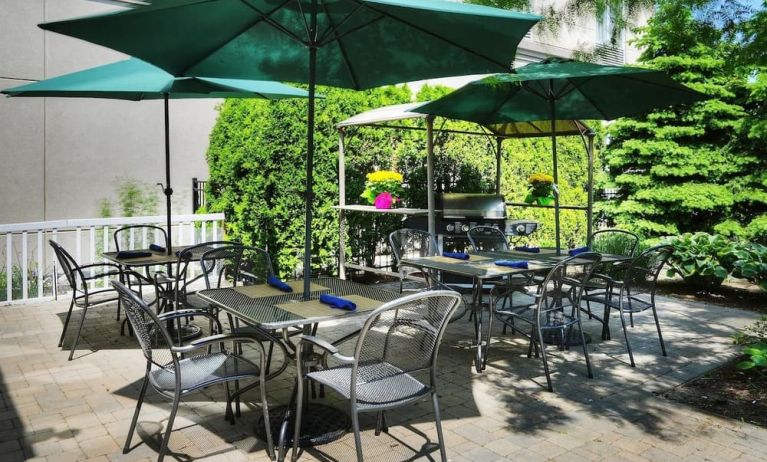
{"x": 585, "y": 350}
{"x": 357, "y": 436}
{"x": 79, "y": 331}
{"x": 539, "y": 336}
{"x": 171, "y": 418}
{"x": 66, "y": 321}
{"x": 438, "y": 423}
{"x": 631, "y": 319}
{"x": 299, "y": 412}
{"x": 657, "y": 325}
{"x": 140, "y": 401}
{"x": 626, "y": 337}
{"x": 267, "y": 423}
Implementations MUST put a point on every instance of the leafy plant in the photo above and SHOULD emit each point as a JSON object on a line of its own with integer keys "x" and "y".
{"x": 757, "y": 357}
{"x": 702, "y": 260}
{"x": 751, "y": 263}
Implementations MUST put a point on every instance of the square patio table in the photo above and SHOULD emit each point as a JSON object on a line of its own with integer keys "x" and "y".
{"x": 157, "y": 258}
{"x": 322, "y": 423}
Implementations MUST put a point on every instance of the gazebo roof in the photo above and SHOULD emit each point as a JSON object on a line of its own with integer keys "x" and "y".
{"x": 383, "y": 115}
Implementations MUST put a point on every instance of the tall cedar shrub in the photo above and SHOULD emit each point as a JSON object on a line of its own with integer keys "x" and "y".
{"x": 687, "y": 168}
{"x": 256, "y": 160}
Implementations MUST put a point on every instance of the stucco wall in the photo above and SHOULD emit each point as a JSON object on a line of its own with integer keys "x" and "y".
{"x": 59, "y": 157}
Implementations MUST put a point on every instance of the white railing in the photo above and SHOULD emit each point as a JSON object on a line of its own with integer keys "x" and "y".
{"x": 28, "y": 266}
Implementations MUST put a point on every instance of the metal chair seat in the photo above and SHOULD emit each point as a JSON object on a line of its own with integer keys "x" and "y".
{"x": 201, "y": 371}
{"x": 389, "y": 385}
{"x": 632, "y": 304}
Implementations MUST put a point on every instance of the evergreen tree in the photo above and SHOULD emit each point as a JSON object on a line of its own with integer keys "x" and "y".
{"x": 686, "y": 168}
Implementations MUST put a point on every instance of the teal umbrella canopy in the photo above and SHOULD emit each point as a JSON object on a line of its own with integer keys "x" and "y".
{"x": 355, "y": 44}
{"x": 136, "y": 80}
{"x": 578, "y": 90}
{"x": 360, "y": 43}
{"x": 556, "y": 90}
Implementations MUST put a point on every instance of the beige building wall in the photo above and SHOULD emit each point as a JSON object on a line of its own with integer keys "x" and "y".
{"x": 59, "y": 157}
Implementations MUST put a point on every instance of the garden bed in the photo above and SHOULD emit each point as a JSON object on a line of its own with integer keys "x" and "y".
{"x": 728, "y": 392}
{"x": 733, "y": 293}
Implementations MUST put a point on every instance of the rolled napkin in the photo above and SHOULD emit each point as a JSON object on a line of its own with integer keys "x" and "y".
{"x": 278, "y": 284}
{"x": 525, "y": 248}
{"x": 338, "y": 302}
{"x": 456, "y": 255}
{"x": 133, "y": 254}
{"x": 156, "y": 248}
{"x": 522, "y": 264}
{"x": 579, "y": 250}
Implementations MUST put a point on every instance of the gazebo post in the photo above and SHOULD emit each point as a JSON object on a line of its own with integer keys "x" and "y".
{"x": 553, "y": 107}
{"x": 430, "y": 174}
{"x": 590, "y": 200}
{"x": 341, "y": 202}
{"x": 498, "y": 153}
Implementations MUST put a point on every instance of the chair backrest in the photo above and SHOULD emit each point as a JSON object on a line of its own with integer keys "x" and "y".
{"x": 190, "y": 255}
{"x": 487, "y": 238}
{"x": 408, "y": 242}
{"x": 615, "y": 242}
{"x": 220, "y": 264}
{"x": 148, "y": 329}
{"x": 561, "y": 290}
{"x": 122, "y": 236}
{"x": 68, "y": 265}
{"x": 255, "y": 266}
{"x": 642, "y": 275}
{"x": 401, "y": 336}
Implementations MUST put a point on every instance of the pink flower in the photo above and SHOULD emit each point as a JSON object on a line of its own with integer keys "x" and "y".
{"x": 383, "y": 200}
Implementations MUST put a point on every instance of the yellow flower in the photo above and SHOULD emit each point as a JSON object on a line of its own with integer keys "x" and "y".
{"x": 540, "y": 178}
{"x": 384, "y": 176}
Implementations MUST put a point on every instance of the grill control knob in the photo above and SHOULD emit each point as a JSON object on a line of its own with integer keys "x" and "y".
{"x": 450, "y": 228}
{"x": 521, "y": 230}
{"x": 464, "y": 228}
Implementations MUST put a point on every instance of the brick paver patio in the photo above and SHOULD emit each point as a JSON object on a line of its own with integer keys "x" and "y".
{"x": 61, "y": 411}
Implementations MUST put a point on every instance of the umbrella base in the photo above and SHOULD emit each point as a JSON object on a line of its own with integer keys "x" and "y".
{"x": 320, "y": 424}
{"x": 554, "y": 337}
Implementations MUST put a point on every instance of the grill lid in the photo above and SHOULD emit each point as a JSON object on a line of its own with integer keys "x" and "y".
{"x": 461, "y": 205}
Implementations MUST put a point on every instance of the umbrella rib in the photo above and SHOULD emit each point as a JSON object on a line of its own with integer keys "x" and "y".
{"x": 496, "y": 108}
{"x": 438, "y": 37}
{"x": 264, "y": 17}
{"x": 334, "y": 28}
{"x": 337, "y": 26}
{"x": 306, "y": 24}
{"x": 599, "y": 110}
{"x": 351, "y": 31}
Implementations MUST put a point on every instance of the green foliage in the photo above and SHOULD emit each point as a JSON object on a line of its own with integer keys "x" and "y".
{"x": 699, "y": 167}
{"x": 754, "y": 333}
{"x": 751, "y": 263}
{"x": 757, "y": 229}
{"x": 757, "y": 357}
{"x": 702, "y": 260}
{"x": 134, "y": 198}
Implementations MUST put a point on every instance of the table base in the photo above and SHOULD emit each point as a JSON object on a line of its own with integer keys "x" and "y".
{"x": 321, "y": 424}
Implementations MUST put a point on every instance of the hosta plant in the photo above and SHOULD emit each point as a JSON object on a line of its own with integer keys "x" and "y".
{"x": 702, "y": 260}
{"x": 751, "y": 263}
{"x": 757, "y": 357}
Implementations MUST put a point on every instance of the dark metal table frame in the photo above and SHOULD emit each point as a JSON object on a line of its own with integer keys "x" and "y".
{"x": 481, "y": 271}
{"x": 263, "y": 313}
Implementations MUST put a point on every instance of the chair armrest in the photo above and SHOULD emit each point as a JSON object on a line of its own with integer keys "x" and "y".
{"x": 109, "y": 269}
{"x": 607, "y": 279}
{"x": 184, "y": 313}
{"x": 325, "y": 345}
{"x": 217, "y": 338}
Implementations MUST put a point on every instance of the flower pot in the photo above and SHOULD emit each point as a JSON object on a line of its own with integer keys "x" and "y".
{"x": 545, "y": 200}
{"x": 384, "y": 201}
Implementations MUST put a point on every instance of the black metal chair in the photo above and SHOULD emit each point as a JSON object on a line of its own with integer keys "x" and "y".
{"x": 556, "y": 308}
{"x": 613, "y": 242}
{"x": 407, "y": 242}
{"x": 124, "y": 237}
{"x": 397, "y": 339}
{"x": 177, "y": 371}
{"x": 488, "y": 239}
{"x": 79, "y": 278}
{"x": 634, "y": 292}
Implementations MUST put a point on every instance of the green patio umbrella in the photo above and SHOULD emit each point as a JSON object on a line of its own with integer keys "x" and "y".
{"x": 344, "y": 43}
{"x": 135, "y": 80}
{"x": 559, "y": 89}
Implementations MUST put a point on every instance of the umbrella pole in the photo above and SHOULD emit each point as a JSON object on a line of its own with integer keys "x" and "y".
{"x": 430, "y": 205}
{"x": 167, "y": 189}
{"x": 553, "y": 105}
{"x": 310, "y": 153}
{"x": 498, "y": 152}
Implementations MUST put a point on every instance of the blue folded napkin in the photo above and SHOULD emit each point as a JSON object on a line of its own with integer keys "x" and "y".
{"x": 133, "y": 254}
{"x": 456, "y": 255}
{"x": 512, "y": 263}
{"x": 579, "y": 250}
{"x": 278, "y": 284}
{"x": 525, "y": 248}
{"x": 338, "y": 302}
{"x": 156, "y": 248}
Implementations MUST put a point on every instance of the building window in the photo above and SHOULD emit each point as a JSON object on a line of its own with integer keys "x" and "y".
{"x": 607, "y": 50}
